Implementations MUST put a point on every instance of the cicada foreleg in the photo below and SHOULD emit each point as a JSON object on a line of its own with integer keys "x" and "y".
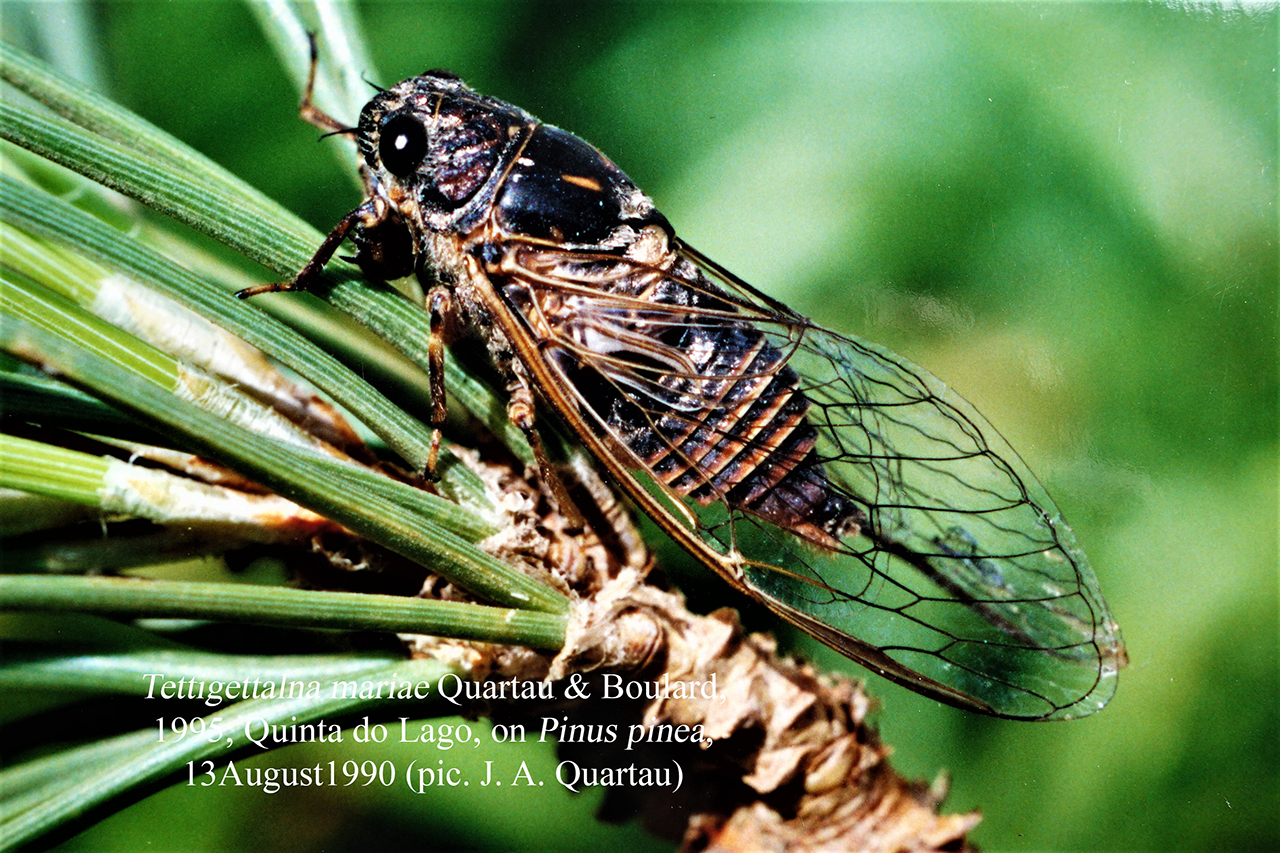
{"x": 307, "y": 110}
{"x": 365, "y": 213}
{"x": 314, "y": 266}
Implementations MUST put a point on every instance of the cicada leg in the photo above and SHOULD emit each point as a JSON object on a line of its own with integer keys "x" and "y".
{"x": 319, "y": 259}
{"x": 307, "y": 110}
{"x": 441, "y": 329}
{"x": 626, "y": 544}
{"x": 366, "y": 212}
{"x": 520, "y": 410}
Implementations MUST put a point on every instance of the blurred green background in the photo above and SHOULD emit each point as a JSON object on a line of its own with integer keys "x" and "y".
{"x": 1067, "y": 211}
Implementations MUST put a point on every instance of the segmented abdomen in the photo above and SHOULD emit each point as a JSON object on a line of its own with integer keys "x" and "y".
{"x": 710, "y": 408}
{"x": 749, "y": 440}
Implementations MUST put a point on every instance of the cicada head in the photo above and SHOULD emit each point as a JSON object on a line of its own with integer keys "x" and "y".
{"x": 432, "y": 146}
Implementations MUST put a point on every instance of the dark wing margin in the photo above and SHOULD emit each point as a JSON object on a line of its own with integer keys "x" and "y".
{"x": 863, "y": 501}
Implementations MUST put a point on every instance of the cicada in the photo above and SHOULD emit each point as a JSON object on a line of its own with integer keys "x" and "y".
{"x": 841, "y": 485}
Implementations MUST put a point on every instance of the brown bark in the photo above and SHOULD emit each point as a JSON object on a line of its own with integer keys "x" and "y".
{"x": 787, "y": 760}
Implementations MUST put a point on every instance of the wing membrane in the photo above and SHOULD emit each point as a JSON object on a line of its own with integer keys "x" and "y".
{"x": 841, "y": 484}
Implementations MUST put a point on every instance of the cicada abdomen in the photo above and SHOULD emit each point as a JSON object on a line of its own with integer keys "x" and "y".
{"x": 706, "y": 404}
{"x": 840, "y": 484}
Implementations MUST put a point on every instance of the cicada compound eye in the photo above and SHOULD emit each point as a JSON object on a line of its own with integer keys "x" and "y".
{"x": 402, "y": 144}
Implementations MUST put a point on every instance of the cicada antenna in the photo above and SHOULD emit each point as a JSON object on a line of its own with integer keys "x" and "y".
{"x": 340, "y": 132}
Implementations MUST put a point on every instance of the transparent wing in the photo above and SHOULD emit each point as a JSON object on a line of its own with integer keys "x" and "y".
{"x": 839, "y": 483}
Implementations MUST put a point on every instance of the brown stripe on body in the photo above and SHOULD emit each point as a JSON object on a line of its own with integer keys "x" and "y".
{"x": 731, "y": 425}
{"x": 753, "y": 446}
{"x": 730, "y": 419}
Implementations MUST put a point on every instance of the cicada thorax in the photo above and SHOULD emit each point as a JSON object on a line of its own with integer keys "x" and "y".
{"x": 707, "y": 405}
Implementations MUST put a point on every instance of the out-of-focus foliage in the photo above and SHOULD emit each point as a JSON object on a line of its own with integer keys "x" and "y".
{"x": 1068, "y": 212}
